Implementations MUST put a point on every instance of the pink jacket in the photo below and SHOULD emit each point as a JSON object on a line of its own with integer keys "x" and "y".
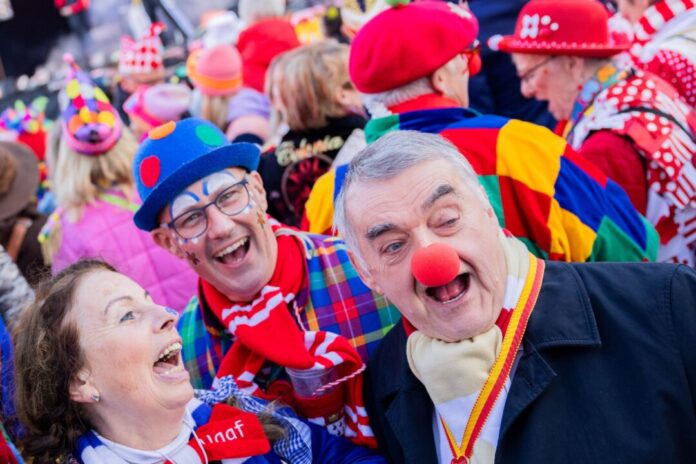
{"x": 107, "y": 232}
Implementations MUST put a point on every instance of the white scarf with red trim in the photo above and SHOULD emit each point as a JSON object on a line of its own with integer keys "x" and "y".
{"x": 455, "y": 373}
{"x": 265, "y": 330}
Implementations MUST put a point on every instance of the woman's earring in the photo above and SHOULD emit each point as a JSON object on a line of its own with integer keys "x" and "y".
{"x": 95, "y": 397}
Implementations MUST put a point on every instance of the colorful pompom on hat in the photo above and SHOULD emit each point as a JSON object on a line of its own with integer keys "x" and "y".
{"x": 175, "y": 155}
{"x": 91, "y": 124}
{"x": 28, "y": 123}
{"x": 568, "y": 27}
{"x": 142, "y": 56}
{"x": 215, "y": 71}
{"x": 407, "y": 42}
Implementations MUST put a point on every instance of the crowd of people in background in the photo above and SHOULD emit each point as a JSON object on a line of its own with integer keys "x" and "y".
{"x": 355, "y": 234}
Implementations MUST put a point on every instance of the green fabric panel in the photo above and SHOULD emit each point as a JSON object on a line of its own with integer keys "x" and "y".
{"x": 653, "y": 241}
{"x": 613, "y": 244}
{"x": 533, "y": 248}
{"x": 375, "y": 128}
{"x": 492, "y": 187}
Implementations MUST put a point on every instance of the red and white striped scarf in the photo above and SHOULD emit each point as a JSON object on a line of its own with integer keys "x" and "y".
{"x": 654, "y": 18}
{"x": 265, "y": 330}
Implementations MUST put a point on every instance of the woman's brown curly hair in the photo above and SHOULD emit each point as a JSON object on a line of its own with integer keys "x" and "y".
{"x": 47, "y": 358}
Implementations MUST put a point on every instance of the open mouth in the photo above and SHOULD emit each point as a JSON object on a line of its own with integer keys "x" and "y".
{"x": 451, "y": 291}
{"x": 233, "y": 253}
{"x": 169, "y": 360}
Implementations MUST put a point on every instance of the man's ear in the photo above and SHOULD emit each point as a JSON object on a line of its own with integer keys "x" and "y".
{"x": 81, "y": 388}
{"x": 438, "y": 80}
{"x": 166, "y": 239}
{"x": 259, "y": 193}
{"x": 364, "y": 272}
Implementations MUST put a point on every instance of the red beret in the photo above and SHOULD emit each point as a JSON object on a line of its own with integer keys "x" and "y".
{"x": 405, "y": 43}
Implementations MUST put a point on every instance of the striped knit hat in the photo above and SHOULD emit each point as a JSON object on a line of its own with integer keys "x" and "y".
{"x": 91, "y": 125}
{"x": 216, "y": 71}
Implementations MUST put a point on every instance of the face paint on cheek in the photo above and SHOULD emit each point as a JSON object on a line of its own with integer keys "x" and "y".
{"x": 261, "y": 218}
{"x": 194, "y": 241}
{"x": 171, "y": 311}
{"x": 192, "y": 258}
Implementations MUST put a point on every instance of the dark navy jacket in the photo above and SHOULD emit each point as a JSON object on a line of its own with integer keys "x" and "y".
{"x": 607, "y": 375}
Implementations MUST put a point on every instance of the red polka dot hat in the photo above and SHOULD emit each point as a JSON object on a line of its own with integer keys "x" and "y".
{"x": 175, "y": 155}
{"x": 560, "y": 27}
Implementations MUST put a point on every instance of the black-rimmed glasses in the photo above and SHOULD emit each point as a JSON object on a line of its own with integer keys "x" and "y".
{"x": 530, "y": 72}
{"x": 230, "y": 202}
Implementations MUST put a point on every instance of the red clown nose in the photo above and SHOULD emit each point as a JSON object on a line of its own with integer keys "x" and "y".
{"x": 435, "y": 265}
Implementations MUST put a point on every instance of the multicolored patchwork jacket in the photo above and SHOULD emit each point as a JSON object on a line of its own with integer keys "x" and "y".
{"x": 336, "y": 300}
{"x": 561, "y": 206}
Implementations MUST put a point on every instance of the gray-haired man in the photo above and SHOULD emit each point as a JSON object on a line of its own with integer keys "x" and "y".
{"x": 509, "y": 358}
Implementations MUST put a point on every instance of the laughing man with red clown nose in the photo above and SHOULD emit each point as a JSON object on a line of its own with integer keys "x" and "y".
{"x": 502, "y": 357}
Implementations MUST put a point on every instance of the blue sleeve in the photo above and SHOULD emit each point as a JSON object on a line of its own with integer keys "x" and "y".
{"x": 338, "y": 450}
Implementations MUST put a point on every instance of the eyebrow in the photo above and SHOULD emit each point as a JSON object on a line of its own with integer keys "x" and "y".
{"x": 440, "y": 191}
{"x": 116, "y": 300}
{"x": 185, "y": 192}
{"x": 121, "y": 298}
{"x": 375, "y": 231}
{"x": 205, "y": 182}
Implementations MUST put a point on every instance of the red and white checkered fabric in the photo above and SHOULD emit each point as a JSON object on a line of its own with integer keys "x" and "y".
{"x": 144, "y": 55}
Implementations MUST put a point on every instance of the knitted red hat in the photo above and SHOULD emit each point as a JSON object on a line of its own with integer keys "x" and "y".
{"x": 568, "y": 27}
{"x": 144, "y": 55}
{"x": 405, "y": 43}
{"x": 259, "y": 44}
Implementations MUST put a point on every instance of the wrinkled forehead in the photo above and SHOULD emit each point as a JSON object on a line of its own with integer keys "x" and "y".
{"x": 202, "y": 190}
{"x": 408, "y": 195}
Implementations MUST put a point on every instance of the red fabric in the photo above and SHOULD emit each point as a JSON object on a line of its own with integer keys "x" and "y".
{"x": 269, "y": 339}
{"x": 676, "y": 69}
{"x": 559, "y": 32}
{"x": 259, "y": 44}
{"x": 405, "y": 43}
{"x": 230, "y": 433}
{"x": 424, "y": 102}
{"x": 6, "y": 454}
{"x": 524, "y": 208}
{"x": 37, "y": 143}
{"x": 480, "y": 151}
{"x": 71, "y": 6}
{"x": 617, "y": 157}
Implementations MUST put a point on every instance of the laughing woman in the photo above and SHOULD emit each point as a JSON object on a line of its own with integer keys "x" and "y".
{"x": 100, "y": 380}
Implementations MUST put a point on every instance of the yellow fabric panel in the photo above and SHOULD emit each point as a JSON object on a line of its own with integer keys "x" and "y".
{"x": 530, "y": 154}
{"x": 319, "y": 208}
{"x": 576, "y": 238}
